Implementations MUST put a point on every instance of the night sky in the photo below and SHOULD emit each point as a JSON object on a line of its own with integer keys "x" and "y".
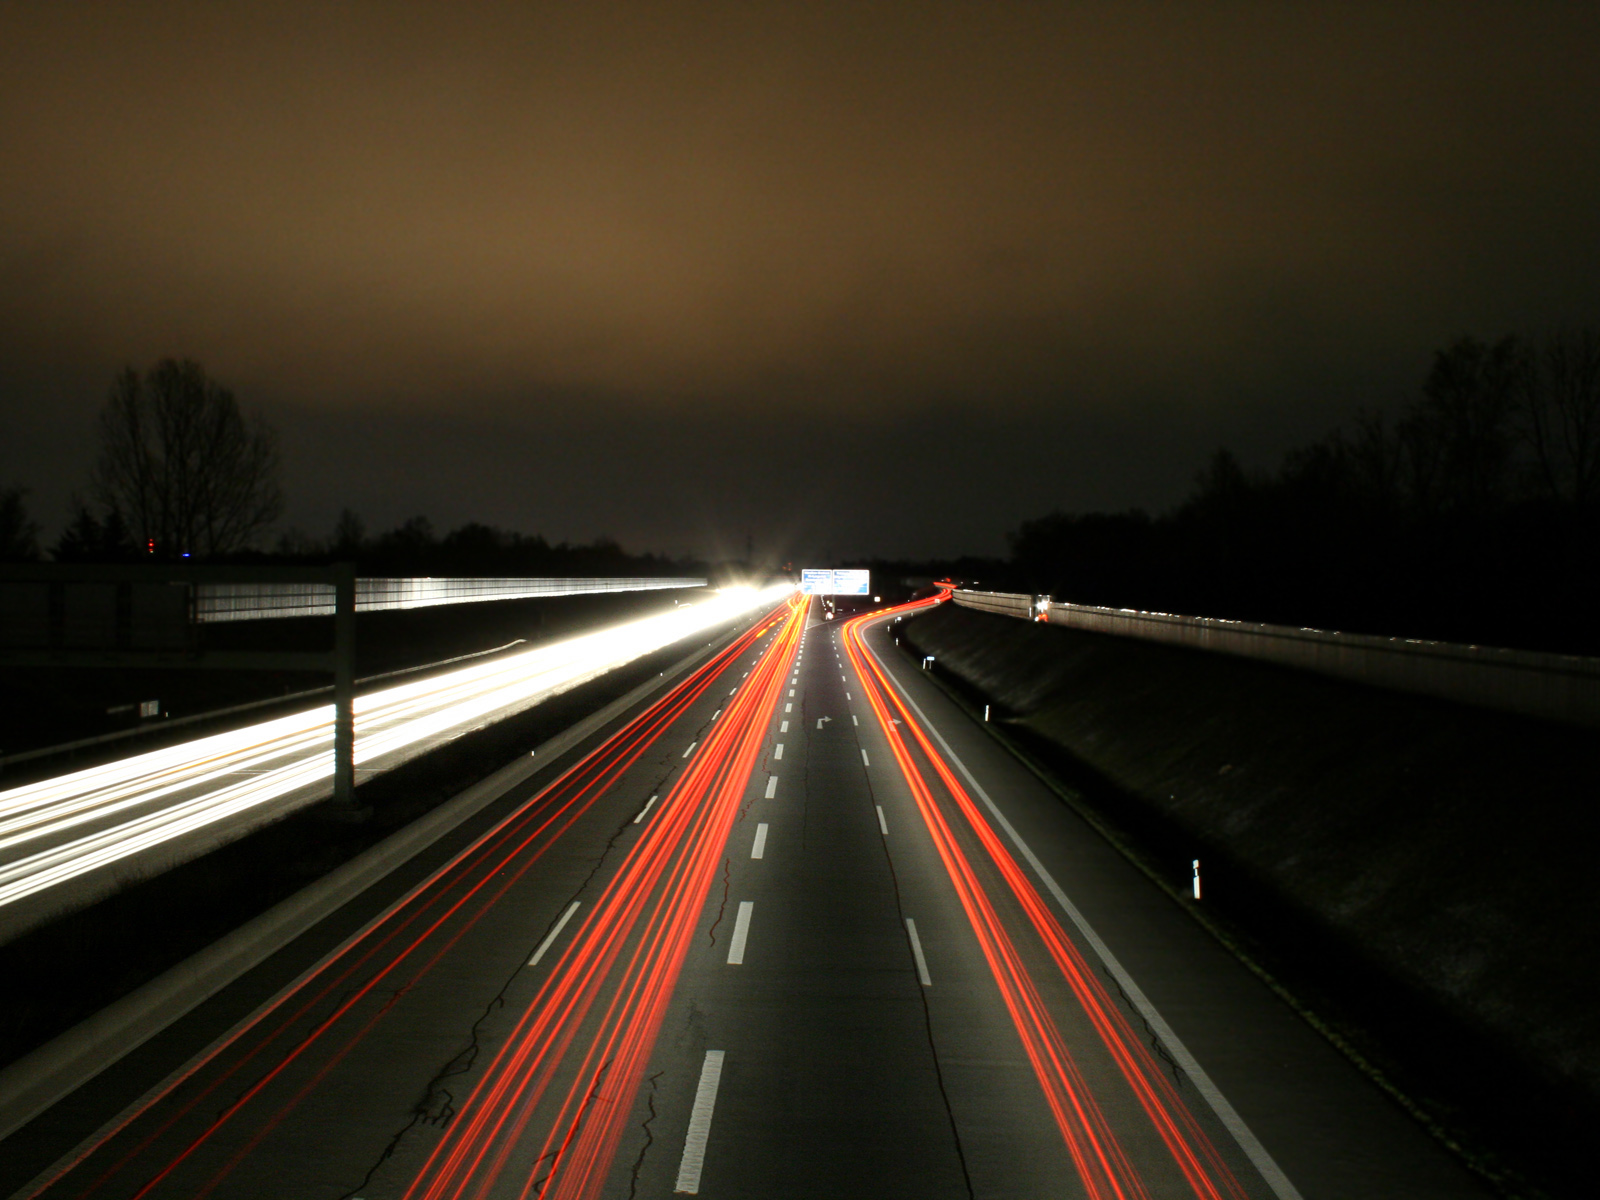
{"x": 844, "y": 278}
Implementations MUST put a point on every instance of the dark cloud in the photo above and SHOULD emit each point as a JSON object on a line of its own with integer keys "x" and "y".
{"x": 741, "y": 246}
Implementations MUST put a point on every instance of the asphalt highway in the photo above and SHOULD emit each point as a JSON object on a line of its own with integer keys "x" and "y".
{"x": 797, "y": 928}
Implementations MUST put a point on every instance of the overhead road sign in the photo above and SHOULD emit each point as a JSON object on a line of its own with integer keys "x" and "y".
{"x": 823, "y": 581}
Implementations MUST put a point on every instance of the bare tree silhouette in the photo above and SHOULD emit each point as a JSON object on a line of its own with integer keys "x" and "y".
{"x": 19, "y": 533}
{"x": 182, "y": 465}
{"x": 1561, "y": 406}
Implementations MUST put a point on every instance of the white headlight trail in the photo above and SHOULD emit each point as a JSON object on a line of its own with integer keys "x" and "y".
{"x": 57, "y": 829}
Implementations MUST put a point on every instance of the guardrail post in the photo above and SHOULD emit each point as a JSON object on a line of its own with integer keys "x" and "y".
{"x": 344, "y": 685}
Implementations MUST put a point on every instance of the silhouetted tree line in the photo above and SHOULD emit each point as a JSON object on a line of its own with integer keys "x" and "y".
{"x": 473, "y": 549}
{"x": 182, "y": 472}
{"x": 1471, "y": 515}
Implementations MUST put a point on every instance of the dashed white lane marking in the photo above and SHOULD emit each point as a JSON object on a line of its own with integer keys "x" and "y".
{"x": 783, "y": 728}
{"x": 716, "y": 714}
{"x": 644, "y": 810}
{"x": 694, "y": 1143}
{"x": 772, "y": 786}
{"x": 865, "y": 761}
{"x": 690, "y": 750}
{"x": 788, "y": 708}
{"x": 554, "y": 933}
{"x": 1263, "y": 1161}
{"x": 916, "y": 953}
{"x": 791, "y": 691}
{"x": 842, "y": 679}
{"x": 760, "y": 847}
{"x": 741, "y": 931}
{"x": 853, "y": 720}
{"x": 883, "y": 825}
{"x": 777, "y": 751}
{"x": 847, "y": 695}
{"x": 732, "y": 690}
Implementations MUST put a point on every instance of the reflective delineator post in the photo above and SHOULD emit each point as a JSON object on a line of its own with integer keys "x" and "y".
{"x": 1197, "y": 879}
{"x": 344, "y": 685}
{"x": 985, "y": 712}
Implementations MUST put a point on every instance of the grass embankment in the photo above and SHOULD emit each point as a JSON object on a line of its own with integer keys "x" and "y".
{"x": 1416, "y": 876}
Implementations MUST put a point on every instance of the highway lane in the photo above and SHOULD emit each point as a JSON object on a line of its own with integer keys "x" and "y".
{"x": 1329, "y": 1130}
{"x": 867, "y": 1044}
{"x": 364, "y": 1063}
{"x": 793, "y": 969}
{"x": 66, "y": 841}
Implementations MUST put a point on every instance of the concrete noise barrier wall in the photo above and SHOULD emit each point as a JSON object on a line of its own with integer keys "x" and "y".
{"x": 265, "y": 601}
{"x": 1557, "y": 687}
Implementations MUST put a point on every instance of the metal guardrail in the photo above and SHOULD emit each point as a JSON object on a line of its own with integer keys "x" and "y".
{"x": 1558, "y": 687}
{"x": 216, "y": 602}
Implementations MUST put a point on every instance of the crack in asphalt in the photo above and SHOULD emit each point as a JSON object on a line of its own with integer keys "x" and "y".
{"x": 649, "y": 1138}
{"x": 1156, "y": 1043}
{"x": 436, "y": 1107}
{"x": 922, "y": 994}
{"x": 727, "y": 869}
{"x": 536, "y": 1186}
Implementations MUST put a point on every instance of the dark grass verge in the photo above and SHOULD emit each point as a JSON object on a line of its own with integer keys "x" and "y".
{"x": 57, "y": 975}
{"x": 1525, "y": 1134}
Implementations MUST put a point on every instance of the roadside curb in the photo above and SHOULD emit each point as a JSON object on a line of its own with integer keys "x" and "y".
{"x": 35, "y": 1082}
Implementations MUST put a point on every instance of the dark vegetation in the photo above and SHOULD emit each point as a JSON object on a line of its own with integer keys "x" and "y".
{"x": 1414, "y": 874}
{"x": 181, "y": 466}
{"x": 1471, "y": 516}
{"x": 182, "y": 472}
{"x": 473, "y": 549}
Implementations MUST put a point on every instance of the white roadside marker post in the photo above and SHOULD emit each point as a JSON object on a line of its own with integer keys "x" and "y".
{"x": 1197, "y": 879}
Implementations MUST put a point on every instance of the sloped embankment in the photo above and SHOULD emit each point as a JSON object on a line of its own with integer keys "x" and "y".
{"x": 1431, "y": 871}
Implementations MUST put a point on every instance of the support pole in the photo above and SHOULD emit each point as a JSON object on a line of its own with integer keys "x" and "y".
{"x": 344, "y": 685}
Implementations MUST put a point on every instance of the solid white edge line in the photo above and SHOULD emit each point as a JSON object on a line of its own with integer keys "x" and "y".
{"x": 1226, "y": 1113}
{"x": 882, "y": 824}
{"x": 760, "y": 847}
{"x": 916, "y": 953}
{"x": 553, "y": 934}
{"x": 694, "y": 1142}
{"x": 741, "y": 933}
{"x": 772, "y": 786}
{"x": 644, "y": 810}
